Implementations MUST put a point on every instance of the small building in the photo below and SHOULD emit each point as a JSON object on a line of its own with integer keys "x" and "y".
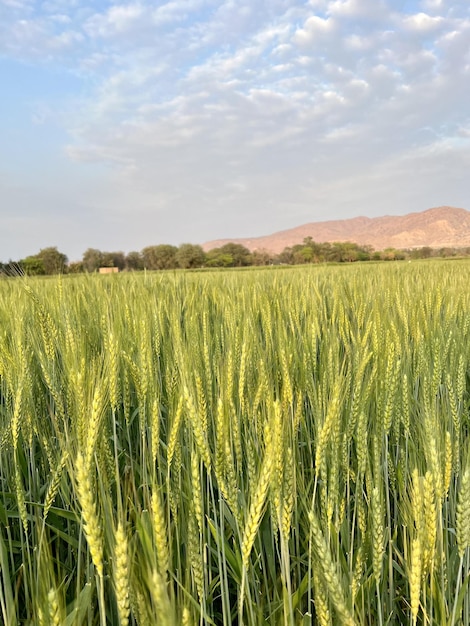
{"x": 108, "y": 270}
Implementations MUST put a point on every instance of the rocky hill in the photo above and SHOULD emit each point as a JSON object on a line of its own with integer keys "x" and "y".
{"x": 438, "y": 227}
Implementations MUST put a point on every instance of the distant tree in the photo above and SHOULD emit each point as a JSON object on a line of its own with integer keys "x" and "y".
{"x": 349, "y": 252}
{"x": 190, "y": 256}
{"x": 32, "y": 266}
{"x": 229, "y": 255}
{"x": 346, "y": 252}
{"x": 119, "y": 260}
{"x": 447, "y": 252}
{"x": 392, "y": 254}
{"x": 286, "y": 256}
{"x": 160, "y": 257}
{"x": 421, "y": 253}
{"x": 54, "y": 262}
{"x": 400, "y": 255}
{"x": 76, "y": 267}
{"x": 333, "y": 253}
{"x": 320, "y": 251}
{"x": 365, "y": 253}
{"x": 92, "y": 259}
{"x": 217, "y": 258}
{"x": 113, "y": 259}
{"x": 261, "y": 257}
{"x": 107, "y": 259}
{"x": 427, "y": 252}
{"x": 134, "y": 261}
{"x": 389, "y": 254}
{"x": 310, "y": 251}
{"x": 304, "y": 255}
{"x": 241, "y": 256}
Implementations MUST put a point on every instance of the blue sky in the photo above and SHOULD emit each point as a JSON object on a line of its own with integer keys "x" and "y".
{"x": 124, "y": 125}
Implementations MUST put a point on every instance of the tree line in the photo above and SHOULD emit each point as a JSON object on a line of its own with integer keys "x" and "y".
{"x": 50, "y": 260}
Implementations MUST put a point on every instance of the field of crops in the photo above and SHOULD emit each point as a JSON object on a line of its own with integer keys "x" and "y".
{"x": 279, "y": 446}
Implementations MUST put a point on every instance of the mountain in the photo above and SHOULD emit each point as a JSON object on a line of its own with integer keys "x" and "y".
{"x": 437, "y": 228}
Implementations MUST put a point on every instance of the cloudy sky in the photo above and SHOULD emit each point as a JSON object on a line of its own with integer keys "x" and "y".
{"x": 124, "y": 125}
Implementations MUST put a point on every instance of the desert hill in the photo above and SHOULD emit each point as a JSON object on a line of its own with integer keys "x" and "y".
{"x": 437, "y": 228}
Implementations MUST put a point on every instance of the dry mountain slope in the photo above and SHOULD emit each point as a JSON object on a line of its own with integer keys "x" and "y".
{"x": 438, "y": 227}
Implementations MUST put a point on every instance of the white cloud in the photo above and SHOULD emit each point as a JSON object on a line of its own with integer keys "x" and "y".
{"x": 65, "y": 40}
{"x": 117, "y": 20}
{"x": 356, "y": 42}
{"x": 369, "y": 10}
{"x": 314, "y": 27}
{"x": 423, "y": 22}
{"x": 256, "y": 103}
{"x": 433, "y": 5}
{"x": 15, "y": 4}
{"x": 202, "y": 102}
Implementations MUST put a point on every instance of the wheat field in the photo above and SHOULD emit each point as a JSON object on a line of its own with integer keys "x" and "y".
{"x": 280, "y": 446}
